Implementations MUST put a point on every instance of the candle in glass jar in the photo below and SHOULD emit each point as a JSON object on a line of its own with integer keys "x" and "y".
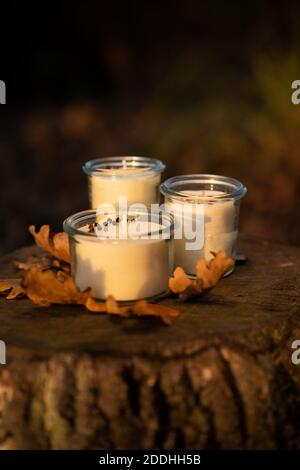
{"x": 131, "y": 265}
{"x": 136, "y": 178}
{"x": 213, "y": 203}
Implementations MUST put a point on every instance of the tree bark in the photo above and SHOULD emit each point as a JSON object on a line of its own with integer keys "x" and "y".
{"x": 220, "y": 377}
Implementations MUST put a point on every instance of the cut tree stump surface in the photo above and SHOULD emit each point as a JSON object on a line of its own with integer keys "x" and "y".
{"x": 220, "y": 377}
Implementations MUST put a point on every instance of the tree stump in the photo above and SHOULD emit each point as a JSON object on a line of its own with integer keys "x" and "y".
{"x": 220, "y": 377}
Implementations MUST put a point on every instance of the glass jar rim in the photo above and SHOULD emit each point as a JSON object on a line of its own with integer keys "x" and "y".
{"x": 168, "y": 187}
{"x": 104, "y": 166}
{"x": 88, "y": 216}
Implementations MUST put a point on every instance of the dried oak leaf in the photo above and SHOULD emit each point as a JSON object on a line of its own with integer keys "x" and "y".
{"x": 57, "y": 287}
{"x": 50, "y": 287}
{"x": 114, "y": 308}
{"x": 181, "y": 284}
{"x": 211, "y": 274}
{"x": 42, "y": 262}
{"x": 207, "y": 276}
{"x": 57, "y": 244}
{"x": 14, "y": 287}
{"x": 142, "y": 308}
{"x": 93, "y": 306}
{"x": 111, "y": 306}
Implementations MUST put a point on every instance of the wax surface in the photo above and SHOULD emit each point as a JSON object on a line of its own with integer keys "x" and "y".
{"x": 135, "y": 228}
{"x": 123, "y": 171}
{"x": 138, "y": 187}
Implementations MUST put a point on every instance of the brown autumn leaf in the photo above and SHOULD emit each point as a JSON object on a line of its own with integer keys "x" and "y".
{"x": 114, "y": 308}
{"x": 93, "y": 306}
{"x": 143, "y": 308}
{"x": 57, "y": 287}
{"x": 63, "y": 265}
{"x": 57, "y": 244}
{"x": 207, "y": 276}
{"x": 110, "y": 306}
{"x": 83, "y": 296}
{"x": 14, "y": 287}
{"x": 140, "y": 308}
{"x": 181, "y": 284}
{"x": 46, "y": 279}
{"x": 52, "y": 287}
{"x": 42, "y": 262}
{"x": 211, "y": 274}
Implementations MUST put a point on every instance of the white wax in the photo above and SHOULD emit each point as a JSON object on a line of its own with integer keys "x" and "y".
{"x": 128, "y": 269}
{"x": 106, "y": 186}
{"x": 220, "y": 229}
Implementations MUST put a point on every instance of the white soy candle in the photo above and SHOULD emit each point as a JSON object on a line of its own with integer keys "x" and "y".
{"x": 136, "y": 178}
{"x": 207, "y": 207}
{"x": 130, "y": 259}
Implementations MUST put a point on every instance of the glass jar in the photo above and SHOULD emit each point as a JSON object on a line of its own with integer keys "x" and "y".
{"x": 129, "y": 264}
{"x": 205, "y": 207}
{"x": 133, "y": 177}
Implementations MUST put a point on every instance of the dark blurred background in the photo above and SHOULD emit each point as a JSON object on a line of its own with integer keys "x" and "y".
{"x": 206, "y": 87}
